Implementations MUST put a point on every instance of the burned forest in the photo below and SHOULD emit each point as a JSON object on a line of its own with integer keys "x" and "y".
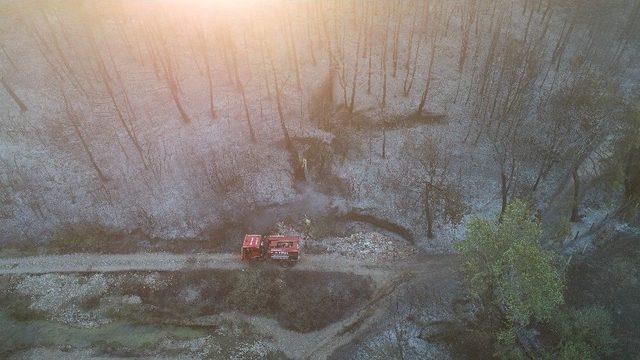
{"x": 320, "y": 179}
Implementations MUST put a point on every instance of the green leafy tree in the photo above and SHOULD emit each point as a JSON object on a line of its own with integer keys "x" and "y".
{"x": 507, "y": 268}
{"x": 584, "y": 333}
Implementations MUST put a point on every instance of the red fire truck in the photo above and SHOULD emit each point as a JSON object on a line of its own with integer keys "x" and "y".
{"x": 280, "y": 248}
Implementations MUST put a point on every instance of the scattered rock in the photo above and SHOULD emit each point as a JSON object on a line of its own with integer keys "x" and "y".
{"x": 369, "y": 246}
{"x": 62, "y": 295}
{"x": 190, "y": 294}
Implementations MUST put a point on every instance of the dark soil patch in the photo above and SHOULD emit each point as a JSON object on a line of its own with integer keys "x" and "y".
{"x": 99, "y": 240}
{"x": 382, "y": 224}
{"x": 362, "y": 122}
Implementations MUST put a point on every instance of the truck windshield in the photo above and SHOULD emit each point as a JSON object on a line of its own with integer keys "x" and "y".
{"x": 284, "y": 244}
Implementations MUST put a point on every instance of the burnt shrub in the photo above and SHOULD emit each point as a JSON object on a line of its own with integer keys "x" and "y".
{"x": 214, "y": 290}
{"x": 252, "y": 293}
{"x": 92, "y": 238}
{"x": 345, "y": 146}
{"x": 310, "y": 301}
{"x": 18, "y": 308}
{"x": 299, "y": 300}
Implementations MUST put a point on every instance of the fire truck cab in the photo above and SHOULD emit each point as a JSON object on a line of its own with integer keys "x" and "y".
{"x": 252, "y": 247}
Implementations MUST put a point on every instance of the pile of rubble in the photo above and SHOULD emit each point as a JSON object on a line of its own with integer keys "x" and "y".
{"x": 362, "y": 245}
{"x": 369, "y": 246}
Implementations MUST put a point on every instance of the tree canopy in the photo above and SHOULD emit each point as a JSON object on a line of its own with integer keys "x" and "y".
{"x": 506, "y": 267}
{"x": 508, "y": 270}
{"x": 505, "y": 262}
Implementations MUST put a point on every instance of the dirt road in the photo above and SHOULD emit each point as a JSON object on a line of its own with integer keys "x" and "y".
{"x": 72, "y": 263}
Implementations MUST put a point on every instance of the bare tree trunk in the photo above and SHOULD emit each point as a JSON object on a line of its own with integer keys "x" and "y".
{"x": 427, "y": 210}
{"x": 384, "y": 61}
{"x": 423, "y": 99}
{"x": 170, "y": 78}
{"x": 152, "y": 54}
{"x": 212, "y": 108}
{"x": 396, "y": 44}
{"x": 240, "y": 86}
{"x": 503, "y": 192}
{"x": 128, "y": 126}
{"x": 545, "y": 167}
{"x": 310, "y": 39}
{"x": 45, "y": 51}
{"x": 125, "y": 40}
{"x": 384, "y": 140}
{"x": 222, "y": 39}
{"x": 526, "y": 31}
{"x": 366, "y": 28}
{"x": 76, "y": 128}
{"x": 204, "y": 49}
{"x": 70, "y": 44}
{"x": 355, "y": 78}
{"x": 122, "y": 121}
{"x": 231, "y": 46}
{"x": 464, "y": 45}
{"x": 631, "y": 203}
{"x": 13, "y": 95}
{"x": 298, "y": 170}
{"x": 63, "y": 58}
{"x": 246, "y": 113}
{"x": 410, "y": 42}
{"x": 628, "y": 31}
{"x": 293, "y": 50}
{"x": 263, "y": 69}
{"x": 411, "y": 72}
{"x": 575, "y": 216}
{"x": 173, "y": 87}
{"x": 505, "y": 183}
{"x": 369, "y": 71}
{"x": 6, "y": 54}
